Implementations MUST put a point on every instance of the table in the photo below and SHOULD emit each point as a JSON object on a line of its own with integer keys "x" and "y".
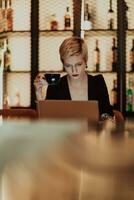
{"x": 64, "y": 160}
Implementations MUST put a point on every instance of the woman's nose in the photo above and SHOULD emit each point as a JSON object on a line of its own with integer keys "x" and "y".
{"x": 74, "y": 69}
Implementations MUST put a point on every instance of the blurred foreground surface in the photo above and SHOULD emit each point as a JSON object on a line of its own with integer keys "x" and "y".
{"x": 63, "y": 160}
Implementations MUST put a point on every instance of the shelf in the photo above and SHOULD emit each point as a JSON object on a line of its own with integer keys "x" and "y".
{"x": 104, "y": 72}
{"x": 62, "y": 30}
{"x": 56, "y": 32}
{"x": 99, "y": 32}
{"x": 11, "y": 72}
{"x": 92, "y": 72}
{"x": 130, "y": 31}
{"x": 10, "y": 33}
{"x": 129, "y": 72}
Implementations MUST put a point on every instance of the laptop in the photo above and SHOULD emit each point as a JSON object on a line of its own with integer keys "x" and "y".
{"x": 61, "y": 109}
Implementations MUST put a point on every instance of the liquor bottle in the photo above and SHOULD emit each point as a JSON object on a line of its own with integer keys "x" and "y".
{"x": 1, "y": 54}
{"x": 3, "y": 13}
{"x": 17, "y": 99}
{"x": 53, "y": 22}
{"x": 129, "y": 96}
{"x": 87, "y": 18}
{"x": 6, "y": 101}
{"x": 0, "y": 16}
{"x": 132, "y": 56}
{"x": 9, "y": 16}
{"x": 7, "y": 58}
{"x": 97, "y": 57}
{"x": 67, "y": 19}
{"x": 114, "y": 56}
{"x": 114, "y": 94}
{"x": 110, "y": 16}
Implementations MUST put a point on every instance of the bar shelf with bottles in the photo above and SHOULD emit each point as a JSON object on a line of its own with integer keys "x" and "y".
{"x": 55, "y": 24}
{"x": 100, "y": 32}
{"x": 15, "y": 52}
{"x": 129, "y": 59}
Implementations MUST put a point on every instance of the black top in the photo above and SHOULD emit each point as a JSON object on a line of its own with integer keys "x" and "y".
{"x": 97, "y": 90}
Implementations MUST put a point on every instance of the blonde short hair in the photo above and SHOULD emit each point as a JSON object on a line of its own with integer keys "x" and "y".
{"x": 73, "y": 46}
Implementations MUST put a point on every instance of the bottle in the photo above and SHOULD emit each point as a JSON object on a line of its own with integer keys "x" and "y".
{"x": 132, "y": 56}
{"x": 3, "y": 14}
{"x": 97, "y": 57}
{"x": 129, "y": 96}
{"x": 114, "y": 94}
{"x": 110, "y": 17}
{"x": 53, "y": 22}
{"x": 87, "y": 18}
{"x": 6, "y": 101}
{"x": 114, "y": 56}
{"x": 67, "y": 19}
{"x": 17, "y": 99}
{"x": 0, "y": 16}
{"x": 7, "y": 58}
{"x": 9, "y": 16}
{"x": 1, "y": 54}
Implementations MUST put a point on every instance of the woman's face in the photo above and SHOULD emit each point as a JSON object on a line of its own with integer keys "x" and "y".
{"x": 75, "y": 66}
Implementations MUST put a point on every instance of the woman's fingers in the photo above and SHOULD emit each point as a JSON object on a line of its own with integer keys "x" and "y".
{"x": 38, "y": 80}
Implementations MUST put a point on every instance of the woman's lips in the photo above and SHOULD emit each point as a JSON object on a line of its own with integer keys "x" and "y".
{"x": 75, "y": 75}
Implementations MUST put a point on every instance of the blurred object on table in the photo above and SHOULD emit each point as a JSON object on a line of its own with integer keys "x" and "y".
{"x": 57, "y": 160}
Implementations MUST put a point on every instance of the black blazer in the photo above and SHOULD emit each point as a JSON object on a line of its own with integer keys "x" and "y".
{"x": 97, "y": 90}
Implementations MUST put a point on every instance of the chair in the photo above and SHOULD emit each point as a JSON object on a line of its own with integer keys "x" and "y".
{"x": 18, "y": 113}
{"x": 118, "y": 116}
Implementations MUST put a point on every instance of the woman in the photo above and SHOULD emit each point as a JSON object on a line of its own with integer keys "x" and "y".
{"x": 77, "y": 84}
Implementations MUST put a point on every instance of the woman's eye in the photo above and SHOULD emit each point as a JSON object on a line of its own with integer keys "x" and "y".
{"x": 68, "y": 66}
{"x": 79, "y": 64}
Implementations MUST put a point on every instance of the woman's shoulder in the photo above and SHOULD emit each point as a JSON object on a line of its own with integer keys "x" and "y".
{"x": 63, "y": 79}
{"x": 98, "y": 77}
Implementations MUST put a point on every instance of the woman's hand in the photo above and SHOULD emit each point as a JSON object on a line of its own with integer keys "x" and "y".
{"x": 39, "y": 83}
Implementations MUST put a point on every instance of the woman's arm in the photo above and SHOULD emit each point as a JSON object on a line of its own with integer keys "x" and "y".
{"x": 39, "y": 84}
{"x": 103, "y": 97}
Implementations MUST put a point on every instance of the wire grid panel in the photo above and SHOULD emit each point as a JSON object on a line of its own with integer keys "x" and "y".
{"x": 20, "y": 47}
{"x": 99, "y": 13}
{"x": 18, "y": 86}
{"x": 49, "y": 58}
{"x": 21, "y": 14}
{"x": 129, "y": 43}
{"x": 130, "y": 33}
{"x": 58, "y": 7}
{"x": 105, "y": 47}
{"x": 130, "y": 13}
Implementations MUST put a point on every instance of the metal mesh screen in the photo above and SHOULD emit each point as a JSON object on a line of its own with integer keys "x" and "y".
{"x": 58, "y": 7}
{"x": 20, "y": 46}
{"x": 100, "y": 31}
{"x": 99, "y": 12}
{"x": 18, "y": 87}
{"x": 50, "y": 40}
{"x": 21, "y": 14}
{"x": 49, "y": 59}
{"x": 130, "y": 57}
{"x": 16, "y": 83}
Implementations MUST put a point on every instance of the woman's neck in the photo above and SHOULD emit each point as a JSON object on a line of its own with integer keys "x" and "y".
{"x": 79, "y": 81}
